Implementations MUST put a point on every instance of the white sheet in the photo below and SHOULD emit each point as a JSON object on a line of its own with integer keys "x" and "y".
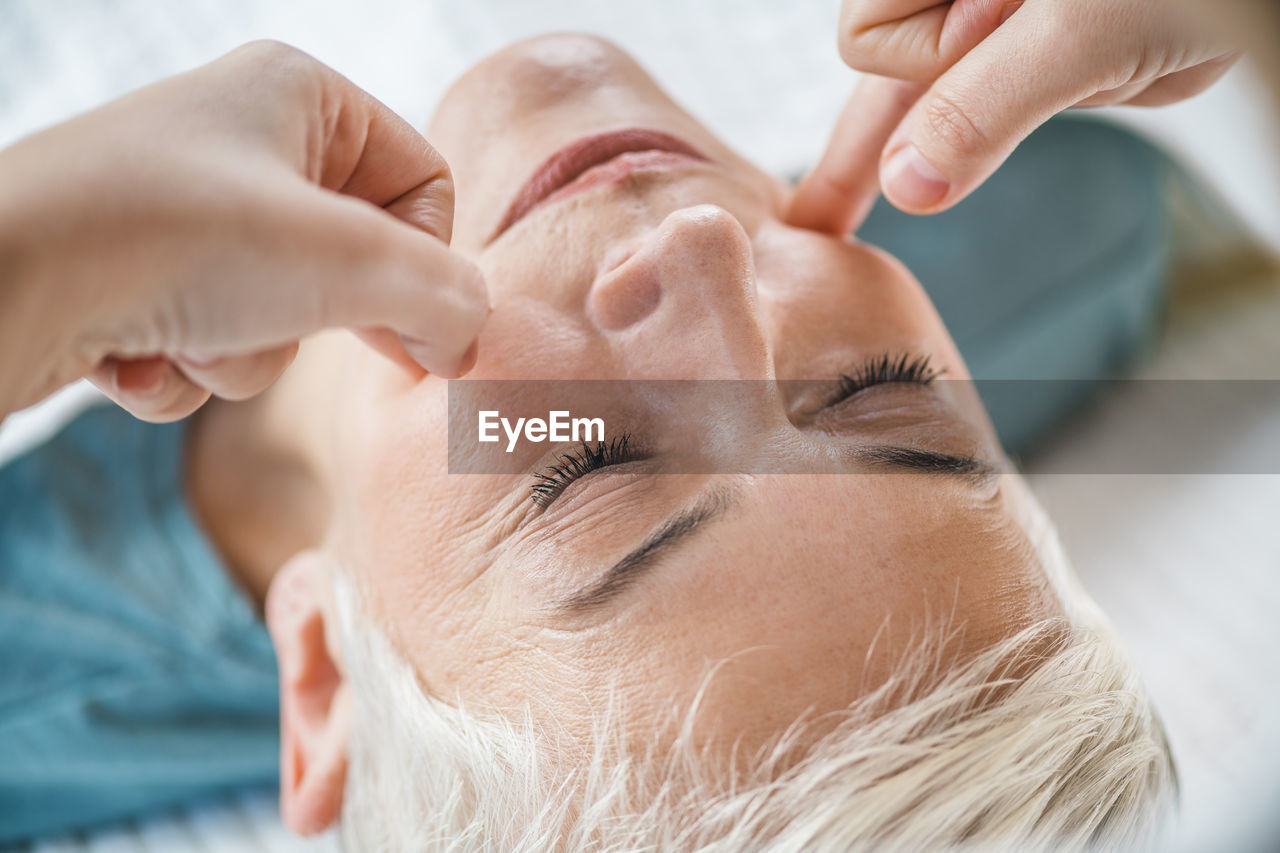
{"x": 1188, "y": 566}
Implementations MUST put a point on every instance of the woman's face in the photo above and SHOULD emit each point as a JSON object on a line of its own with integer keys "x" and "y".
{"x": 862, "y": 519}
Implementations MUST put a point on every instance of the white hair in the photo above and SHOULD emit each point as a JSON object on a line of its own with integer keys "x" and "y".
{"x": 1046, "y": 740}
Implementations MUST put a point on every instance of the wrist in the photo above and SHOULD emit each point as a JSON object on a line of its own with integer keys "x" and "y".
{"x": 37, "y": 355}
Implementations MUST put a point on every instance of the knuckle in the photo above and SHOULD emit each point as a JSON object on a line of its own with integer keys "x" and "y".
{"x": 271, "y": 51}
{"x": 171, "y": 326}
{"x": 440, "y": 185}
{"x": 283, "y": 66}
{"x": 837, "y": 184}
{"x": 1067, "y": 24}
{"x": 887, "y": 47}
{"x": 430, "y": 206}
{"x": 949, "y": 122}
{"x": 858, "y": 46}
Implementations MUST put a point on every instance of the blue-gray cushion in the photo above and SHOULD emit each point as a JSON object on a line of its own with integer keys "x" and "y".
{"x": 1054, "y": 270}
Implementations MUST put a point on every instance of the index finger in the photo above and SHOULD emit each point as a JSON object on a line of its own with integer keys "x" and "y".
{"x": 838, "y": 194}
{"x": 376, "y": 155}
{"x": 341, "y": 138}
{"x": 915, "y": 39}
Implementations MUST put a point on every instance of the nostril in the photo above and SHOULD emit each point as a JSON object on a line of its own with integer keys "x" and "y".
{"x": 624, "y": 296}
{"x": 700, "y": 257}
{"x": 614, "y": 258}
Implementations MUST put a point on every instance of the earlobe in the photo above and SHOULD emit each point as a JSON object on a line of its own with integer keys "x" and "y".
{"x": 314, "y": 701}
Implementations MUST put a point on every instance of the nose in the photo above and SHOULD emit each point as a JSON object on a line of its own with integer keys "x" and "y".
{"x": 684, "y": 305}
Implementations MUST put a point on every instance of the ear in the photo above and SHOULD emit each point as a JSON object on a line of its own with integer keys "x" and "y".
{"x": 314, "y": 699}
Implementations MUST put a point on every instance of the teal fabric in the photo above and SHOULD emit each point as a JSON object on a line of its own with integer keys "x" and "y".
{"x": 1052, "y": 276}
{"x": 133, "y": 675}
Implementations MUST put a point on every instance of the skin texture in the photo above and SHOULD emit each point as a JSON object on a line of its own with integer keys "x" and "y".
{"x": 806, "y": 586}
{"x": 959, "y": 84}
{"x": 191, "y": 232}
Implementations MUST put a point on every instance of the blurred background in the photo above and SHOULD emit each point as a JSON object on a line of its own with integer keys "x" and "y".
{"x": 1188, "y": 566}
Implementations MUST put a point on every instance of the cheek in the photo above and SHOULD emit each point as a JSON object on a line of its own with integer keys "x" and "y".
{"x": 390, "y": 510}
{"x": 528, "y": 338}
{"x": 843, "y": 305}
{"x": 415, "y": 541}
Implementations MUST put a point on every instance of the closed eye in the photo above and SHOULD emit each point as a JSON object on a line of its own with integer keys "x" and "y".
{"x": 550, "y": 482}
{"x": 883, "y": 369}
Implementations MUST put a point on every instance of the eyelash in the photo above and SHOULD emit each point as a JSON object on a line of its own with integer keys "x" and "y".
{"x": 582, "y": 460}
{"x": 551, "y": 481}
{"x": 884, "y": 369}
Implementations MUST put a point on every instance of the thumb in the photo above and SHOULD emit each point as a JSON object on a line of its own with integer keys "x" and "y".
{"x": 394, "y": 277}
{"x": 980, "y": 109}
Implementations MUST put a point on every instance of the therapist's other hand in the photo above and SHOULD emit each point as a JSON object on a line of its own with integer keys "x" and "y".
{"x": 970, "y": 79}
{"x": 189, "y": 234}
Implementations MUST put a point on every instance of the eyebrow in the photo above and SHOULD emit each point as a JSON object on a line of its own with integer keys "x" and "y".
{"x": 676, "y": 528}
{"x": 917, "y": 460}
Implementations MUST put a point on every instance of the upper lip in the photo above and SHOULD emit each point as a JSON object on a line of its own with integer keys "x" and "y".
{"x": 577, "y": 157}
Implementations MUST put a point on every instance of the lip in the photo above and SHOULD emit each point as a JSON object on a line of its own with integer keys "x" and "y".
{"x": 605, "y": 158}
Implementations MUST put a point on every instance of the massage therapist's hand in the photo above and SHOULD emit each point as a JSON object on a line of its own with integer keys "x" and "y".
{"x": 959, "y": 84}
{"x": 181, "y": 240}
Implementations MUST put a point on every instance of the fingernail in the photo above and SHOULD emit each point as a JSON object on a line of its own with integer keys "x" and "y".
{"x": 911, "y": 181}
{"x": 143, "y": 378}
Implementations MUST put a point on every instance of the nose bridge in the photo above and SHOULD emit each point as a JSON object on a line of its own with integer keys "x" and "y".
{"x": 684, "y": 305}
